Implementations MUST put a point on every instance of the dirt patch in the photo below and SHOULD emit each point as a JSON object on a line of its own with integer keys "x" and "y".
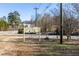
{"x": 73, "y": 42}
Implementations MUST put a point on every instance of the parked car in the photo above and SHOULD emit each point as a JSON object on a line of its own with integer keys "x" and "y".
{"x": 49, "y": 33}
{"x": 20, "y": 31}
{"x": 76, "y": 33}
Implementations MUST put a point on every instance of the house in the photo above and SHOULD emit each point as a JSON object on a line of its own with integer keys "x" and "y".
{"x": 29, "y": 28}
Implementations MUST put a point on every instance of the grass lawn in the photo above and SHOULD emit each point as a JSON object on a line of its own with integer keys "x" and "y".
{"x": 53, "y": 48}
{"x": 39, "y": 48}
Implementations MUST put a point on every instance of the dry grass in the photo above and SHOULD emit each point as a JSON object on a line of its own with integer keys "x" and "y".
{"x": 16, "y": 47}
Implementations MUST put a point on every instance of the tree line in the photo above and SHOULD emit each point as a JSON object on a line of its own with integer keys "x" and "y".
{"x": 11, "y": 21}
{"x": 51, "y": 22}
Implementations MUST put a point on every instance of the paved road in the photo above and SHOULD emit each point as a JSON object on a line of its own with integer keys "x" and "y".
{"x": 36, "y": 36}
{"x": 8, "y": 32}
{"x": 14, "y": 34}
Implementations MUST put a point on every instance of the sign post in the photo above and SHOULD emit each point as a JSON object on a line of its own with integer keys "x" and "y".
{"x": 24, "y": 32}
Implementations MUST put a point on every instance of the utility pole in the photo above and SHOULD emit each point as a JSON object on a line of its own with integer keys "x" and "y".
{"x": 35, "y": 15}
{"x": 61, "y": 24}
{"x": 36, "y": 21}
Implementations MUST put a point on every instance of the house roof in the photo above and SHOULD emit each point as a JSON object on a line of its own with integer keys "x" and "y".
{"x": 27, "y": 22}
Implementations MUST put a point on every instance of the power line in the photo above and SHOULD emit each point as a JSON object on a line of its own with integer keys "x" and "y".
{"x": 45, "y": 8}
{"x": 42, "y": 13}
{"x": 39, "y": 5}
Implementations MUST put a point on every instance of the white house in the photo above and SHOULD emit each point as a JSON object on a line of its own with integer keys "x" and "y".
{"x": 28, "y": 28}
